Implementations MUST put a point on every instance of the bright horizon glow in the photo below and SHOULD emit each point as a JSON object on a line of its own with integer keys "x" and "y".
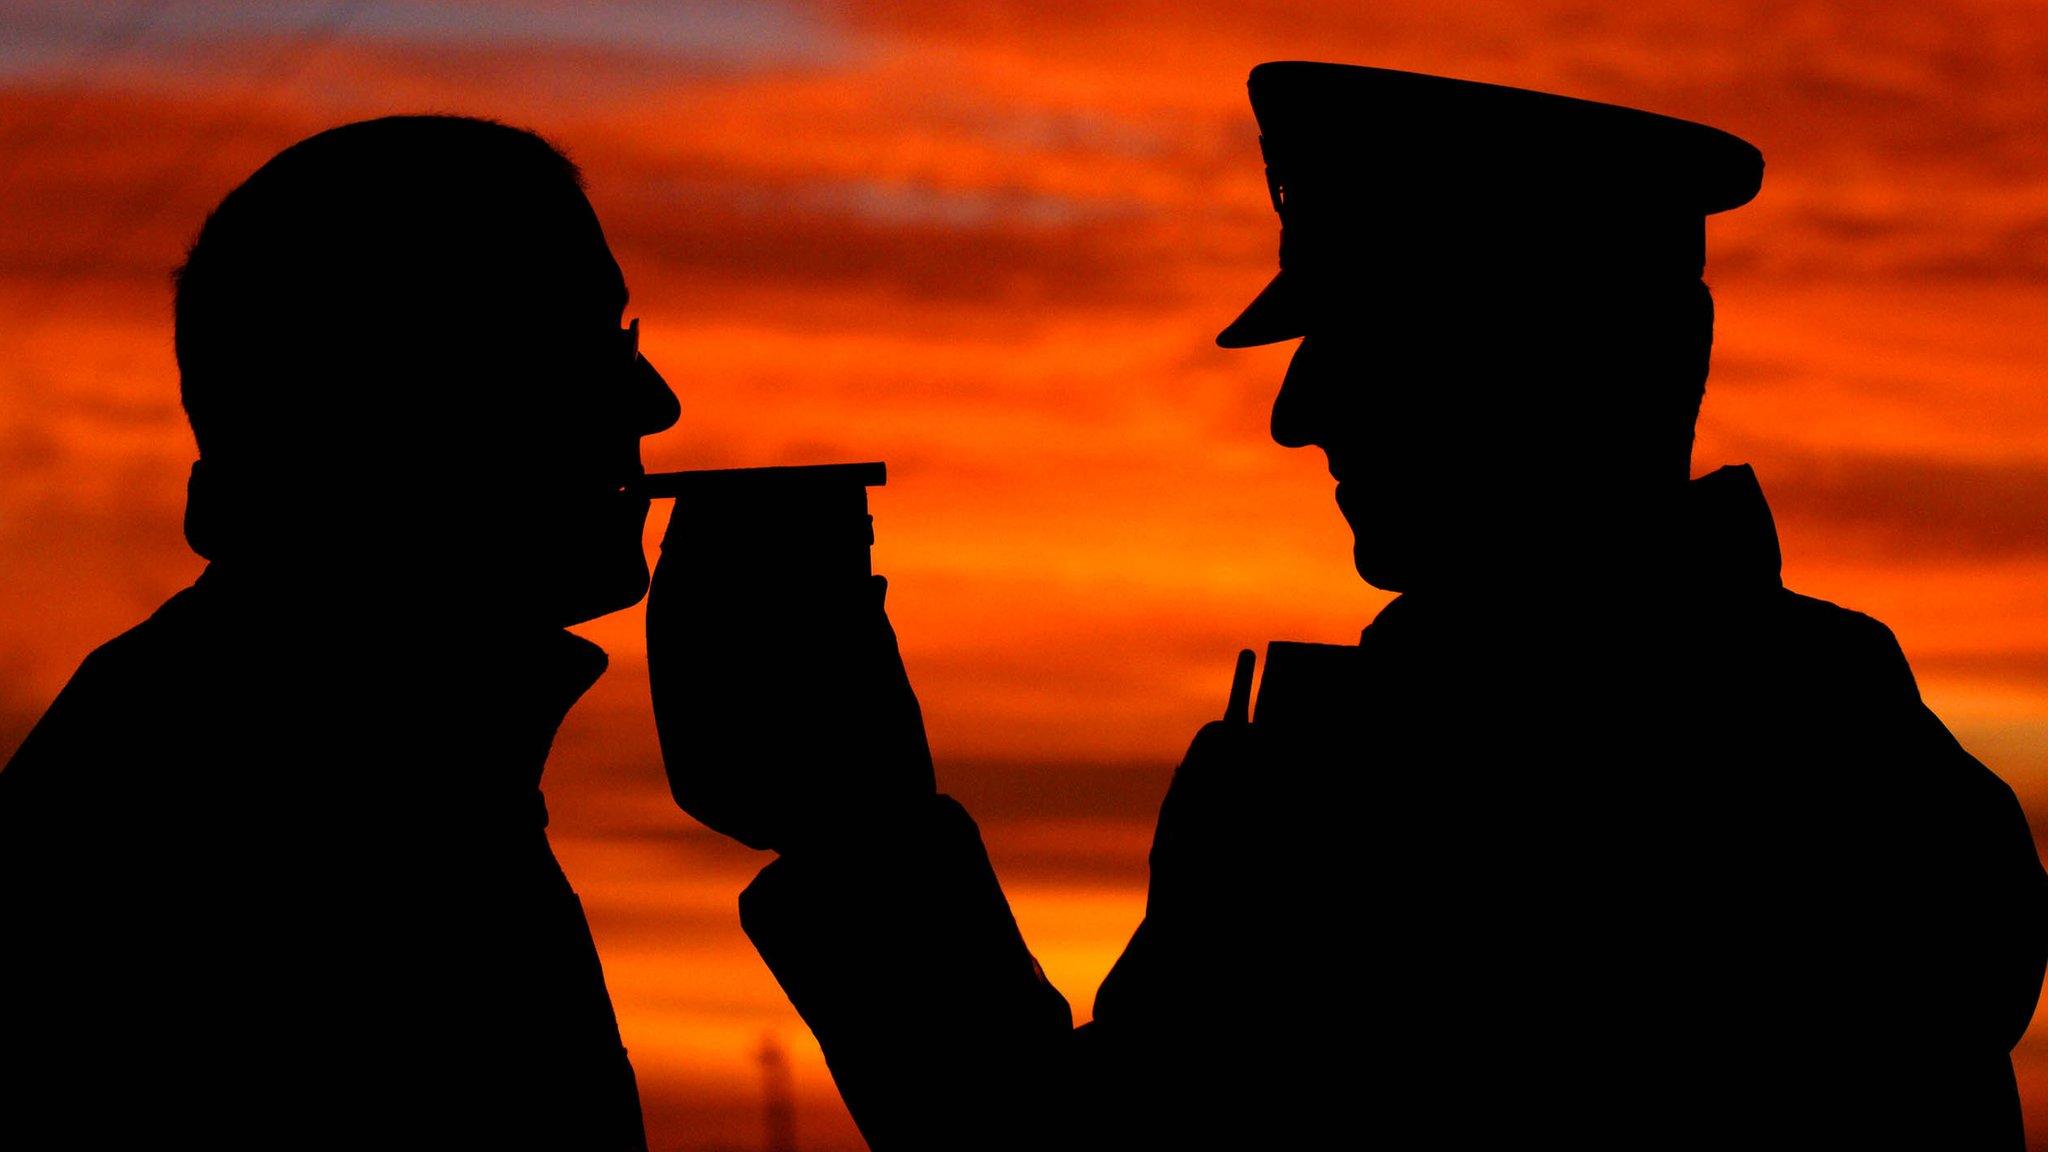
{"x": 991, "y": 244}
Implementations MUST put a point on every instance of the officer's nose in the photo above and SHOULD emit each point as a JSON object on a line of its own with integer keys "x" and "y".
{"x": 1298, "y": 417}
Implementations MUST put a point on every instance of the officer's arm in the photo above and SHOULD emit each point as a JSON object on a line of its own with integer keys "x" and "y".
{"x": 897, "y": 947}
{"x": 1974, "y": 876}
{"x": 1996, "y": 900}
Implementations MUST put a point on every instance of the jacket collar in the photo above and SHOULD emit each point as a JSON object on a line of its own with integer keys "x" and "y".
{"x": 1732, "y": 539}
{"x": 1724, "y": 544}
{"x": 467, "y": 716}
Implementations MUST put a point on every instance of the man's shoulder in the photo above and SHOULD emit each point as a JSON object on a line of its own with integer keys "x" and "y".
{"x": 137, "y": 672}
{"x": 162, "y": 646}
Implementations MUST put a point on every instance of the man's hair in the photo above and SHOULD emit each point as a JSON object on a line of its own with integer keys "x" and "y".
{"x": 358, "y": 250}
{"x": 1677, "y": 348}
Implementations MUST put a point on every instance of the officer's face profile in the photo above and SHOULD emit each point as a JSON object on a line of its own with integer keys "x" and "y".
{"x": 1506, "y": 336}
{"x": 1480, "y": 430}
{"x": 1424, "y": 426}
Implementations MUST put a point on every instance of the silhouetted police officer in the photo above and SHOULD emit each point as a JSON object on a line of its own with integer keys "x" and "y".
{"x": 273, "y": 866}
{"x": 1599, "y": 836}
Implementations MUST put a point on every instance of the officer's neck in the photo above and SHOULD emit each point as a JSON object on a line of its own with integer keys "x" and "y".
{"x": 1609, "y": 549}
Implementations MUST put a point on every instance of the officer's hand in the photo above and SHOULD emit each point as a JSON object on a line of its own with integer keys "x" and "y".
{"x": 1203, "y": 846}
{"x": 786, "y": 717}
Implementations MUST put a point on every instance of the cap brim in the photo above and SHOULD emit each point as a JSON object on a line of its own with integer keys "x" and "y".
{"x": 1272, "y": 316}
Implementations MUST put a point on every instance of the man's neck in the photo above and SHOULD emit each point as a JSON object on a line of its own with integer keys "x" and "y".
{"x": 363, "y": 607}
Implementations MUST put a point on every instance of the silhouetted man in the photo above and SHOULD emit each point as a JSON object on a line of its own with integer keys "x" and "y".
{"x": 1599, "y": 836}
{"x": 273, "y": 866}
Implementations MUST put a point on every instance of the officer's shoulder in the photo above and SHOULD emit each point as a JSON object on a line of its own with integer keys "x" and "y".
{"x": 1825, "y": 620}
{"x": 1848, "y": 643}
{"x": 1854, "y": 660}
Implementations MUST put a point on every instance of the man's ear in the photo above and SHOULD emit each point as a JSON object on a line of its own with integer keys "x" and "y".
{"x": 204, "y": 510}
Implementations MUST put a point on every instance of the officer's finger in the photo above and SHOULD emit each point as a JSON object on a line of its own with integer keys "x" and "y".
{"x": 1239, "y": 710}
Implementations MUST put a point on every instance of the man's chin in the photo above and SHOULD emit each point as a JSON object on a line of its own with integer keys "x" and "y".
{"x": 602, "y": 597}
{"x": 596, "y": 565}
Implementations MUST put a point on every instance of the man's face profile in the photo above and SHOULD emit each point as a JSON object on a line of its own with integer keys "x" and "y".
{"x": 565, "y": 413}
{"x": 441, "y": 406}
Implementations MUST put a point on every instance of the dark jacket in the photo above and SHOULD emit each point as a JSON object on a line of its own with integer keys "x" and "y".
{"x": 271, "y": 879}
{"x": 1685, "y": 863}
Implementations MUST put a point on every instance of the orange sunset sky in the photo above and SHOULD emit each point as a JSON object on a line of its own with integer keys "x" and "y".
{"x": 991, "y": 244}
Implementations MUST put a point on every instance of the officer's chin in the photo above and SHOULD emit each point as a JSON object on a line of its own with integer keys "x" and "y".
{"x": 1379, "y": 541}
{"x": 1380, "y": 551}
{"x": 1380, "y": 572}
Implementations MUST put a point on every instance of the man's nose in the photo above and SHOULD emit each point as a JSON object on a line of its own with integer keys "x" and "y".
{"x": 658, "y": 409}
{"x": 1297, "y": 411}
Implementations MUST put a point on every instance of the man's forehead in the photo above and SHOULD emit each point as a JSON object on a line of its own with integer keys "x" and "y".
{"x": 567, "y": 273}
